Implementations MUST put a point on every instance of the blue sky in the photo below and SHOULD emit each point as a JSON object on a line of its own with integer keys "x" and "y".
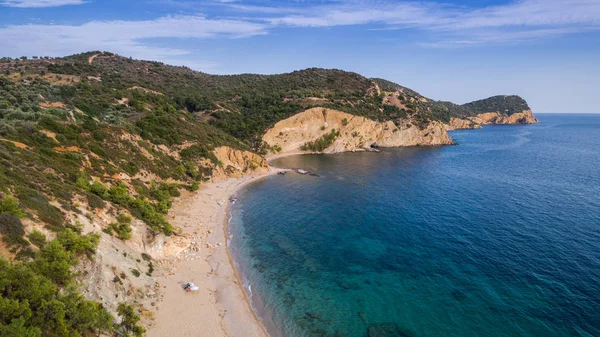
{"x": 547, "y": 51}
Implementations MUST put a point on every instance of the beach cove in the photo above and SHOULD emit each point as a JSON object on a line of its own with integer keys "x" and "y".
{"x": 220, "y": 307}
{"x": 317, "y": 254}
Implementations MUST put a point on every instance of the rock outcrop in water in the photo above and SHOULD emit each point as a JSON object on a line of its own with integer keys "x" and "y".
{"x": 355, "y": 133}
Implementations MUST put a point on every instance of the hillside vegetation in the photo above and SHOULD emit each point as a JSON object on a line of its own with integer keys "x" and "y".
{"x": 81, "y": 133}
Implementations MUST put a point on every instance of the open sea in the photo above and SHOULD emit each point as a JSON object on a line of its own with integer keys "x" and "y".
{"x": 497, "y": 236}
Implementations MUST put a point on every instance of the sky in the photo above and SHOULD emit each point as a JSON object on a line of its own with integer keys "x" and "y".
{"x": 547, "y": 51}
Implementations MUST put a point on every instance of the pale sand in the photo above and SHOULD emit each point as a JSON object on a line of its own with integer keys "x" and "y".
{"x": 220, "y": 307}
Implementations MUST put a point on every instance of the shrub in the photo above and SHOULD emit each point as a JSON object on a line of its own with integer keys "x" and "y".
{"x": 122, "y": 228}
{"x": 37, "y": 238}
{"x": 124, "y": 218}
{"x": 143, "y": 209}
{"x": 135, "y": 272}
{"x": 150, "y": 269}
{"x": 78, "y": 244}
{"x": 83, "y": 181}
{"x": 55, "y": 262}
{"x": 10, "y": 206}
{"x": 119, "y": 194}
{"x": 99, "y": 189}
{"x": 12, "y": 230}
{"x": 38, "y": 202}
{"x": 129, "y": 321}
{"x": 95, "y": 201}
{"x": 322, "y": 143}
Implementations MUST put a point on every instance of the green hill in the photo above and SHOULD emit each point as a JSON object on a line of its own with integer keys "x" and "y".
{"x": 69, "y": 127}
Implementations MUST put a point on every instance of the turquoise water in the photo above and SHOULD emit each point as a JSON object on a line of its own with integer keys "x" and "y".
{"x": 498, "y": 236}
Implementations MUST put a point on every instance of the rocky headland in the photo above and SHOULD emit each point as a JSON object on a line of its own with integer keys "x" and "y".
{"x": 355, "y": 133}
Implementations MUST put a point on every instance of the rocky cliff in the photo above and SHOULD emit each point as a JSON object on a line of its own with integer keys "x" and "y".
{"x": 355, "y": 133}
{"x": 236, "y": 163}
{"x": 109, "y": 279}
{"x": 525, "y": 117}
{"x": 459, "y": 124}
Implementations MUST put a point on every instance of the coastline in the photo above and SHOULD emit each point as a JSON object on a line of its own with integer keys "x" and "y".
{"x": 221, "y": 307}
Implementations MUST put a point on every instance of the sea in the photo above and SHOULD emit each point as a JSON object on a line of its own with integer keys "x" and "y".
{"x": 498, "y": 235}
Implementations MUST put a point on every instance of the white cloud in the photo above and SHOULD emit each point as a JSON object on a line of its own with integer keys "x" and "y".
{"x": 458, "y": 25}
{"x": 39, "y": 3}
{"x": 444, "y": 25}
{"x": 129, "y": 38}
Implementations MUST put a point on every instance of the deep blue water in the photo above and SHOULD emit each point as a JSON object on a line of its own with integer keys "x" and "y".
{"x": 498, "y": 236}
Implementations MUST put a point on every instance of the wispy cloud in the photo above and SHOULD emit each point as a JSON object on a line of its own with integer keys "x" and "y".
{"x": 451, "y": 24}
{"x": 39, "y": 3}
{"x": 129, "y": 38}
{"x": 442, "y": 25}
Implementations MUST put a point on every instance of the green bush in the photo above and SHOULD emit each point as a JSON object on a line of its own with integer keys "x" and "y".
{"x": 83, "y": 181}
{"x": 99, "y": 189}
{"x": 10, "y": 206}
{"x": 94, "y": 201}
{"x": 142, "y": 208}
{"x": 12, "y": 230}
{"x": 38, "y": 298}
{"x": 322, "y": 143}
{"x": 119, "y": 194}
{"x": 129, "y": 321}
{"x": 150, "y": 269}
{"x": 122, "y": 228}
{"x": 37, "y": 238}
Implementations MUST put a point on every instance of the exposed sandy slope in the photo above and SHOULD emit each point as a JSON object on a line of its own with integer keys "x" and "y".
{"x": 236, "y": 163}
{"x": 220, "y": 307}
{"x": 357, "y": 133}
{"x": 91, "y": 58}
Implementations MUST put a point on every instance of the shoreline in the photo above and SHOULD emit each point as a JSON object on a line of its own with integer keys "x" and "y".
{"x": 221, "y": 307}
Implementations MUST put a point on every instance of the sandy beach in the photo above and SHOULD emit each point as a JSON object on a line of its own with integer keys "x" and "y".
{"x": 220, "y": 307}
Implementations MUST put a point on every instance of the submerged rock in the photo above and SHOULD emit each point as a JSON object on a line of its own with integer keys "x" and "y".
{"x": 288, "y": 299}
{"x": 317, "y": 333}
{"x": 363, "y": 317}
{"x": 385, "y": 330}
{"x": 459, "y": 295}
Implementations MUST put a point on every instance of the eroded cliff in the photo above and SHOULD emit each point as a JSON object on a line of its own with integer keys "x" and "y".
{"x": 525, "y": 117}
{"x": 355, "y": 133}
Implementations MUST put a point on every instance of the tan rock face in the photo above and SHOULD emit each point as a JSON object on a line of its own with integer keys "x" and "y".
{"x": 356, "y": 133}
{"x": 460, "y": 124}
{"x": 525, "y": 117}
{"x": 236, "y": 163}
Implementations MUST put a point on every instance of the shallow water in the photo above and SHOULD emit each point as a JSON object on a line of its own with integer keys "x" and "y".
{"x": 498, "y": 236}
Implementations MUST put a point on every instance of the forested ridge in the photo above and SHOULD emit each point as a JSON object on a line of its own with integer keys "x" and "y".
{"x": 71, "y": 127}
